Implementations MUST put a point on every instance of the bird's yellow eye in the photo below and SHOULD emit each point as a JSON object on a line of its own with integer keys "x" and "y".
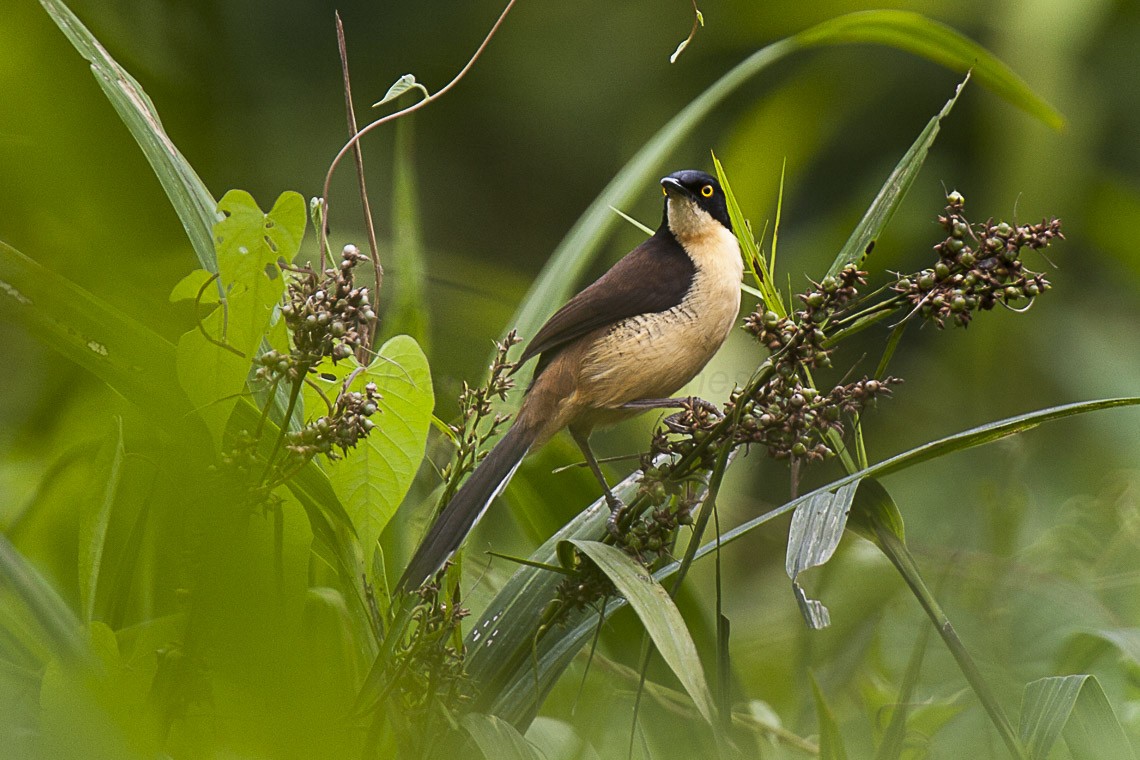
{"x": 707, "y": 191}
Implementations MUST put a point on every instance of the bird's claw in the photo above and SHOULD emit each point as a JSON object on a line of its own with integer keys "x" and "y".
{"x": 699, "y": 403}
{"x": 677, "y": 423}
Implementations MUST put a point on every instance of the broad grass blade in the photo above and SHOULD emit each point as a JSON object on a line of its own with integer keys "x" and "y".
{"x": 863, "y": 238}
{"x": 1076, "y": 708}
{"x": 660, "y": 617}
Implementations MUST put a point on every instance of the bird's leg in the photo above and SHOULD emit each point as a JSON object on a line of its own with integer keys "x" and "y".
{"x": 673, "y": 420}
{"x": 615, "y": 504}
{"x": 672, "y": 403}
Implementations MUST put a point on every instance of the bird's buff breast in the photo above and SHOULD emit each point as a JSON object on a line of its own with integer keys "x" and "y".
{"x": 653, "y": 355}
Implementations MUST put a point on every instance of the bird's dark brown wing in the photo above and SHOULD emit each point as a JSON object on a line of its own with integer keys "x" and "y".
{"x": 651, "y": 278}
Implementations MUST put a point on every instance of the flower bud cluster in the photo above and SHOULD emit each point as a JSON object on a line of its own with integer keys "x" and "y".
{"x": 799, "y": 338}
{"x": 792, "y": 420}
{"x": 476, "y": 404}
{"x": 979, "y": 266}
{"x": 586, "y": 586}
{"x": 343, "y": 428}
{"x": 694, "y": 424}
{"x": 327, "y": 315}
{"x": 436, "y": 653}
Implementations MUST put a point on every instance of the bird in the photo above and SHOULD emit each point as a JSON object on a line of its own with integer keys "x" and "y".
{"x": 619, "y": 347}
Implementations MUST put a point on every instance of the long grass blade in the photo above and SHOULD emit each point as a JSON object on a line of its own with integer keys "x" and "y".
{"x": 660, "y": 617}
{"x": 188, "y": 194}
{"x": 863, "y": 237}
{"x": 97, "y": 519}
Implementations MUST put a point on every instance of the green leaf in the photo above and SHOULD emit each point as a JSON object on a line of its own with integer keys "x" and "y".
{"x": 660, "y": 617}
{"x": 497, "y": 739}
{"x": 373, "y": 479}
{"x": 1074, "y": 707}
{"x": 96, "y": 518}
{"x": 863, "y": 237}
{"x": 830, "y": 739}
{"x": 399, "y": 87}
{"x": 814, "y": 534}
{"x": 193, "y": 284}
{"x": 250, "y": 245}
{"x": 906, "y": 31}
{"x": 189, "y": 196}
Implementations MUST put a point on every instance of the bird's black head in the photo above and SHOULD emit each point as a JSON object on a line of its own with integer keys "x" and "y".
{"x": 699, "y": 189}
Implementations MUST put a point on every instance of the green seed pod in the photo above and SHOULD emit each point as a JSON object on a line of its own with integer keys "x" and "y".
{"x": 967, "y": 258}
{"x": 955, "y": 199}
{"x": 959, "y": 229}
{"x": 958, "y": 304}
{"x": 955, "y": 244}
{"x": 1003, "y": 229}
{"x": 926, "y": 279}
{"x": 799, "y": 449}
{"x": 941, "y": 270}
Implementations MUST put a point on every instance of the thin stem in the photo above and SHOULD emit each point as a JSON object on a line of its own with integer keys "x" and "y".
{"x": 358, "y": 156}
{"x": 410, "y": 109}
{"x": 225, "y": 317}
{"x": 293, "y": 396}
{"x": 265, "y": 410}
{"x": 904, "y": 562}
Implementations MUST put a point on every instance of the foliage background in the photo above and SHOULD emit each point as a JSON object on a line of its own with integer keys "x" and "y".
{"x": 1034, "y": 539}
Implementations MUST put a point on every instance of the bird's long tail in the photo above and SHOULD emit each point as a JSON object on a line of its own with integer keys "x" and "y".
{"x": 468, "y": 505}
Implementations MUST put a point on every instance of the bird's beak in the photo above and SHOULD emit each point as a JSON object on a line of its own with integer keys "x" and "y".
{"x": 674, "y": 187}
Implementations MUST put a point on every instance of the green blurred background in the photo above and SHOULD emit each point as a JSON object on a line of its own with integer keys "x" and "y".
{"x": 1034, "y": 540}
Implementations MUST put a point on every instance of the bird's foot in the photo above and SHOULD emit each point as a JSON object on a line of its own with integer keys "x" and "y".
{"x": 682, "y": 421}
{"x": 696, "y": 402}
